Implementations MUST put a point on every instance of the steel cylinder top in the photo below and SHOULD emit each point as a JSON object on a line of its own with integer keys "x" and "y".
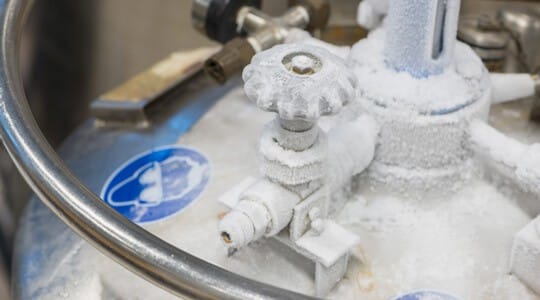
{"x": 421, "y": 35}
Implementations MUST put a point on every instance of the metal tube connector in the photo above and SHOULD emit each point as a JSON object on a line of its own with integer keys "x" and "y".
{"x": 234, "y": 56}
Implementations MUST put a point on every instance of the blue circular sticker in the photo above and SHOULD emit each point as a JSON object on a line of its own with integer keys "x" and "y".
{"x": 426, "y": 295}
{"x": 157, "y": 184}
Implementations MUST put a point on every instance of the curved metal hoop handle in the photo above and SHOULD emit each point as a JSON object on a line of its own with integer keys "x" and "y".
{"x": 127, "y": 243}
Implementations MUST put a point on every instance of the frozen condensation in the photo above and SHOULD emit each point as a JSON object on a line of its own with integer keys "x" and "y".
{"x": 371, "y": 13}
{"x": 458, "y": 85}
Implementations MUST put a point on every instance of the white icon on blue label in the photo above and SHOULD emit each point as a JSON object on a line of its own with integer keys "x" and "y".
{"x": 157, "y": 184}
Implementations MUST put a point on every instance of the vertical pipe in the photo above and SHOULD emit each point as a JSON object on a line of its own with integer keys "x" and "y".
{"x": 421, "y": 35}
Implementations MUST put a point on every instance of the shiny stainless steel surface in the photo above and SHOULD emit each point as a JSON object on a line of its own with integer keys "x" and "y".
{"x": 482, "y": 31}
{"x": 524, "y": 24}
{"x": 130, "y": 245}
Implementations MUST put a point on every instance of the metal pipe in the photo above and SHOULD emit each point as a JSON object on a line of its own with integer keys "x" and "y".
{"x": 509, "y": 87}
{"x": 127, "y": 243}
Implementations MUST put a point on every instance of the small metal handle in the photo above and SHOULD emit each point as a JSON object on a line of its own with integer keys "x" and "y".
{"x": 130, "y": 245}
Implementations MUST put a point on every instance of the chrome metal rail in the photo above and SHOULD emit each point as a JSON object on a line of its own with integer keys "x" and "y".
{"x": 127, "y": 243}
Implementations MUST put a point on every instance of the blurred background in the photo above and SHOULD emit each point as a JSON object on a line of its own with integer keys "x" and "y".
{"x": 75, "y": 50}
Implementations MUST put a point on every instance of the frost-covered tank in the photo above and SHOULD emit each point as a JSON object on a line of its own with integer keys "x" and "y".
{"x": 368, "y": 172}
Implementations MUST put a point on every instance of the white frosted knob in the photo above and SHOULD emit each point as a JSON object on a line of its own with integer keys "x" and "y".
{"x": 299, "y": 82}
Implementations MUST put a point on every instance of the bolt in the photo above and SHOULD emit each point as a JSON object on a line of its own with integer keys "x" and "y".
{"x": 302, "y": 63}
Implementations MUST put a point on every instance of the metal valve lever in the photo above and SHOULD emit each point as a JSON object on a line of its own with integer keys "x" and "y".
{"x": 250, "y": 31}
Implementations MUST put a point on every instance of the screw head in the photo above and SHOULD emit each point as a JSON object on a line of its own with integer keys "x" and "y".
{"x": 302, "y": 63}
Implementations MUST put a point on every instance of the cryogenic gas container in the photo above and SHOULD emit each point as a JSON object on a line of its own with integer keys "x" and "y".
{"x": 282, "y": 166}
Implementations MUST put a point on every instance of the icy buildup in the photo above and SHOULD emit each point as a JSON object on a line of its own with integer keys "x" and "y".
{"x": 495, "y": 145}
{"x": 289, "y": 166}
{"x": 371, "y": 13}
{"x": 515, "y": 160}
{"x": 421, "y": 36}
{"x": 424, "y": 121}
{"x": 525, "y": 262}
{"x": 509, "y": 87}
{"x": 352, "y": 146}
{"x": 458, "y": 244}
{"x": 423, "y": 104}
